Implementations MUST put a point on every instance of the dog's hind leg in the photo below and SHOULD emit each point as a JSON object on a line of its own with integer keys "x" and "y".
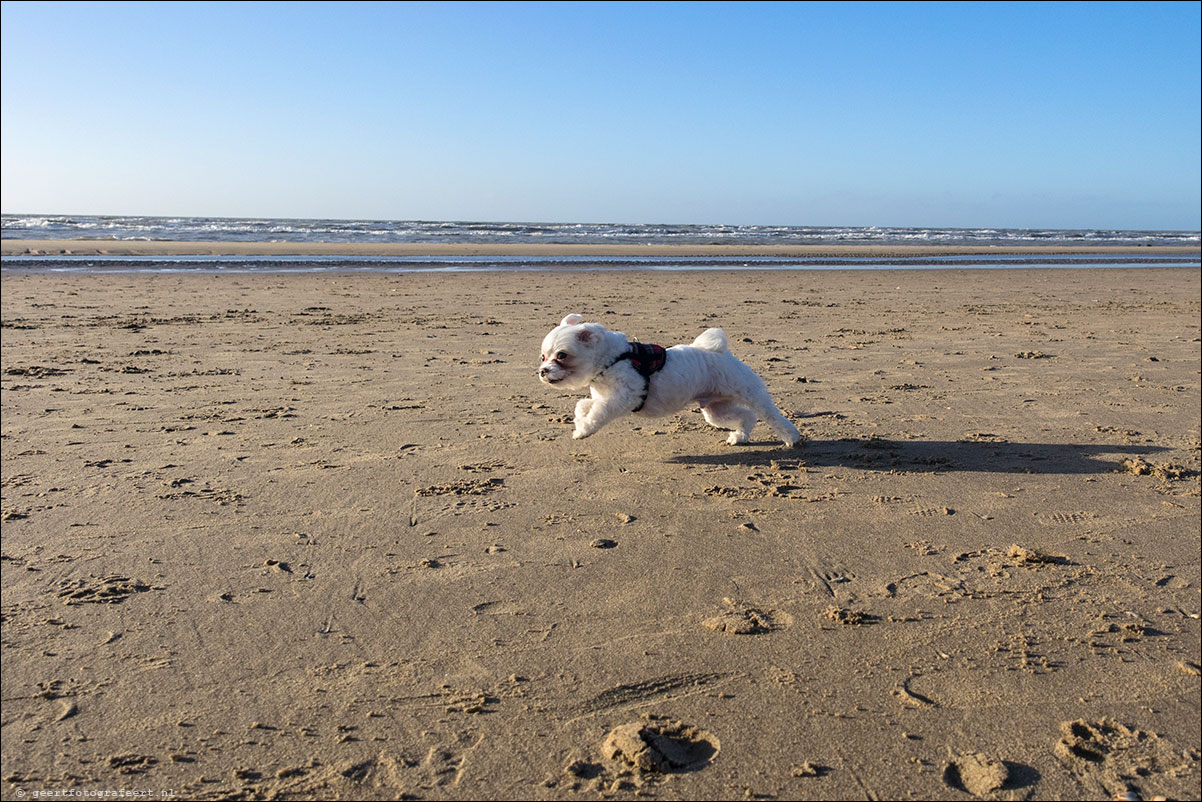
{"x": 781, "y": 426}
{"x": 727, "y": 414}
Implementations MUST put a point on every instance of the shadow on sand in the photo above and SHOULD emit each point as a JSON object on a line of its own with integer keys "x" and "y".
{"x": 937, "y": 456}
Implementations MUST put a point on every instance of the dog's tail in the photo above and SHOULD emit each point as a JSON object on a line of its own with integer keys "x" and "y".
{"x": 712, "y": 340}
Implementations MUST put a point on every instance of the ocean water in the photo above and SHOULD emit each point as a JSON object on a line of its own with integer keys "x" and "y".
{"x": 224, "y": 229}
{"x": 214, "y": 229}
{"x": 488, "y": 264}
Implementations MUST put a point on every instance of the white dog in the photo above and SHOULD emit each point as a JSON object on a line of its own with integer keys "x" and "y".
{"x": 625, "y": 378}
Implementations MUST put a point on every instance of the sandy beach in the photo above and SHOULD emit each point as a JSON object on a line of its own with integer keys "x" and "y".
{"x": 327, "y": 537}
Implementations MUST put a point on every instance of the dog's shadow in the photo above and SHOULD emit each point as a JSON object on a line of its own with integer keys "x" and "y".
{"x": 936, "y": 456}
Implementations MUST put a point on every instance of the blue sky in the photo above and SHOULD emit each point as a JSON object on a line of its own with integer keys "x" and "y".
{"x": 1073, "y": 115}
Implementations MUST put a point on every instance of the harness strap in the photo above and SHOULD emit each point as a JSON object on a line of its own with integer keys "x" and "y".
{"x": 646, "y": 359}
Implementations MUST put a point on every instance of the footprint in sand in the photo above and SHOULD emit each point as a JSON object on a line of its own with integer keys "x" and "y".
{"x": 849, "y": 618}
{"x": 101, "y": 590}
{"x": 1062, "y": 518}
{"x": 467, "y": 494}
{"x": 931, "y": 512}
{"x": 658, "y": 744}
{"x": 975, "y": 773}
{"x": 1166, "y": 471}
{"x": 1112, "y": 760}
{"x": 131, "y": 763}
{"x": 742, "y": 619}
{"x": 1025, "y": 556}
{"x": 465, "y": 487}
{"x": 36, "y": 371}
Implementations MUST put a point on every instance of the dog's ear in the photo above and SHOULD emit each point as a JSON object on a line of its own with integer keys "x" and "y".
{"x": 586, "y": 335}
{"x": 572, "y": 320}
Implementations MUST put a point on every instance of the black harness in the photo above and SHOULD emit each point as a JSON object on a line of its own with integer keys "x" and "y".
{"x": 646, "y": 359}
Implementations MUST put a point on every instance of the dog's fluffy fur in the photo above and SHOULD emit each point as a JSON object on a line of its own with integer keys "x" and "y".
{"x": 576, "y": 355}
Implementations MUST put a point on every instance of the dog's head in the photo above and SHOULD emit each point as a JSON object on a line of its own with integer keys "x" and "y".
{"x": 572, "y": 353}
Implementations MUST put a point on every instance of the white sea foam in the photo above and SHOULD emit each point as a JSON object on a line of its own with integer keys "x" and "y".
{"x": 251, "y": 229}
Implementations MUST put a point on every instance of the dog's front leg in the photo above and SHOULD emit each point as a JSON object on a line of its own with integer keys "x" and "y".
{"x": 597, "y": 413}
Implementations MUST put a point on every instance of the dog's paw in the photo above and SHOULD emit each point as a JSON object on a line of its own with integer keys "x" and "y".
{"x": 579, "y": 435}
{"x": 737, "y": 439}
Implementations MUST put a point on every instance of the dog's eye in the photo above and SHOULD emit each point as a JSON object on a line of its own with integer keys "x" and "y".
{"x": 561, "y": 355}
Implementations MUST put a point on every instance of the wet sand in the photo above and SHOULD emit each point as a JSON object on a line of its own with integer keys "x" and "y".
{"x": 13, "y": 247}
{"x": 327, "y": 537}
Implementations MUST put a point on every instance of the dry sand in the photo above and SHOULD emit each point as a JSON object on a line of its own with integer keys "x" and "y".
{"x": 318, "y": 537}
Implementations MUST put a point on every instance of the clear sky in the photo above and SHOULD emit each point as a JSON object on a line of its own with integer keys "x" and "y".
{"x": 1069, "y": 115}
